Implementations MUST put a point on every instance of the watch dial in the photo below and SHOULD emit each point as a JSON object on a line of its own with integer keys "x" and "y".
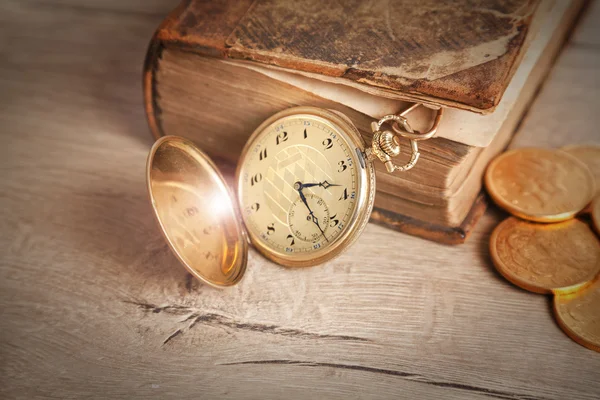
{"x": 299, "y": 183}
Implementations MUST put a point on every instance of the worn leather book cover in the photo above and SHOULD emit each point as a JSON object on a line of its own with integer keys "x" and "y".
{"x": 460, "y": 53}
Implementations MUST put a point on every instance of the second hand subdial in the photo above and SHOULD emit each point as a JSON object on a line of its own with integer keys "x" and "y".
{"x": 307, "y": 217}
{"x": 311, "y": 216}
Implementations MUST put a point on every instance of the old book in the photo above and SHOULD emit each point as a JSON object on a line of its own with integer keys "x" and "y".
{"x": 215, "y": 71}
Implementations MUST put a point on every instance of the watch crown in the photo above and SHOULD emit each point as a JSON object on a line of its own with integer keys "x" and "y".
{"x": 389, "y": 144}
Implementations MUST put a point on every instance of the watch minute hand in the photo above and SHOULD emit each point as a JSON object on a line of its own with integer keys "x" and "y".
{"x": 298, "y": 186}
{"x": 303, "y": 198}
{"x": 316, "y": 221}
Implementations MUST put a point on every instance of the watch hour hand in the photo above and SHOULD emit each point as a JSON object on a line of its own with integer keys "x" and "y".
{"x": 323, "y": 184}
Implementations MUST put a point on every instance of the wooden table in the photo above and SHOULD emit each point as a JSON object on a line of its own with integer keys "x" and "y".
{"x": 94, "y": 304}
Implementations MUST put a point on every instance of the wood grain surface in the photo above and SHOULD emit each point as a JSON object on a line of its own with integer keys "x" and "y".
{"x": 93, "y": 305}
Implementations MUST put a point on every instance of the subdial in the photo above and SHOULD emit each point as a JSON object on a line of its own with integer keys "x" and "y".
{"x": 305, "y": 226}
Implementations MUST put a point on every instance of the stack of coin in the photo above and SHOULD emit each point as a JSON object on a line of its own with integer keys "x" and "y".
{"x": 544, "y": 247}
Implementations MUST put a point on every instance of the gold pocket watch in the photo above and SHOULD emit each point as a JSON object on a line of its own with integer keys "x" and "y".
{"x": 305, "y": 191}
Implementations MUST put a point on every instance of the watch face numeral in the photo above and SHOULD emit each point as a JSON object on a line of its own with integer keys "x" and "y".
{"x": 328, "y": 143}
{"x": 263, "y": 154}
{"x": 255, "y": 179}
{"x": 305, "y": 134}
{"x": 254, "y": 207}
{"x": 281, "y": 137}
{"x": 333, "y": 221}
{"x": 343, "y": 166}
{"x": 344, "y": 195}
{"x": 271, "y": 228}
{"x": 291, "y": 238}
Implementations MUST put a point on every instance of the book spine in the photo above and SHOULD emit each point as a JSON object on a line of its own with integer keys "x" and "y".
{"x": 153, "y": 55}
{"x": 149, "y": 87}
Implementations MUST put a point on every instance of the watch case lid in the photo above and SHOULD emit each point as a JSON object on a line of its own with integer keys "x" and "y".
{"x": 196, "y": 212}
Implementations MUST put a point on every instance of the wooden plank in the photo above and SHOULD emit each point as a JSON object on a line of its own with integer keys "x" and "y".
{"x": 588, "y": 32}
{"x": 566, "y": 110}
{"x": 94, "y": 305}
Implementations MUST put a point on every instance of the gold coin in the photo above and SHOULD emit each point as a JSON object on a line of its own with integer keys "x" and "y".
{"x": 578, "y": 314}
{"x": 590, "y": 156}
{"x": 545, "y": 258}
{"x": 540, "y": 185}
{"x": 596, "y": 213}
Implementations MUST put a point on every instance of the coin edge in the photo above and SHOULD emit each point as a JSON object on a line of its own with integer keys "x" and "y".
{"x": 501, "y": 266}
{"x": 567, "y": 329}
{"x": 521, "y": 283}
{"x": 508, "y": 207}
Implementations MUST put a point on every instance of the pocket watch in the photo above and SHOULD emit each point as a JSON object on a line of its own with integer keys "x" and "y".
{"x": 305, "y": 188}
